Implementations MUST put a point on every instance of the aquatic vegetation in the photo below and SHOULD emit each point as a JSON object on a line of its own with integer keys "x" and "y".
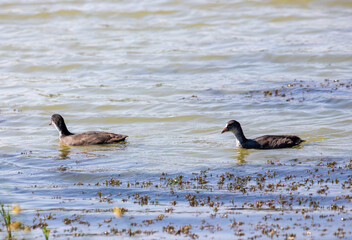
{"x": 175, "y": 181}
{"x": 300, "y": 91}
{"x": 113, "y": 182}
{"x": 119, "y": 211}
{"x": 185, "y": 230}
{"x": 224, "y": 200}
{"x": 10, "y": 224}
{"x": 7, "y": 219}
{"x": 46, "y": 232}
{"x": 16, "y": 209}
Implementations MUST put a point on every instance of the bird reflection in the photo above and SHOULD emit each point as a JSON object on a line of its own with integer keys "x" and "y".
{"x": 241, "y": 154}
{"x": 64, "y": 152}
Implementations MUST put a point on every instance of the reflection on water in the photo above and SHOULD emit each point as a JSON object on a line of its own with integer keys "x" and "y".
{"x": 241, "y": 155}
{"x": 64, "y": 152}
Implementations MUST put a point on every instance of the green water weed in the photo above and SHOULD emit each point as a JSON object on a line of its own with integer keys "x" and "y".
{"x": 46, "y": 232}
{"x": 7, "y": 219}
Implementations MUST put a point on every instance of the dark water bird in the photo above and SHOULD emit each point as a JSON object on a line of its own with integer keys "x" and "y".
{"x": 263, "y": 142}
{"x": 85, "y": 138}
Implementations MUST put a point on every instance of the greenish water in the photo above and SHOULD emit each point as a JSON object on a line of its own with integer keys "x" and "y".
{"x": 170, "y": 74}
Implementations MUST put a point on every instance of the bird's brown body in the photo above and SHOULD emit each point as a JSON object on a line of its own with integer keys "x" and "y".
{"x": 272, "y": 141}
{"x": 85, "y": 138}
{"x": 92, "y": 138}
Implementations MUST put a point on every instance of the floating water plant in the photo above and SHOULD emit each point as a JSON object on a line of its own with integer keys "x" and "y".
{"x": 119, "y": 211}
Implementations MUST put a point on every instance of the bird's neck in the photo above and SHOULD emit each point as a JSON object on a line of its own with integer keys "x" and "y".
{"x": 63, "y": 131}
{"x": 240, "y": 138}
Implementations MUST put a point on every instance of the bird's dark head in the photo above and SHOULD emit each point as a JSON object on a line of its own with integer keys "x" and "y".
{"x": 58, "y": 121}
{"x": 232, "y": 126}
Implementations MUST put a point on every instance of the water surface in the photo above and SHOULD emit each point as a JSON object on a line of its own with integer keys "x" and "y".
{"x": 170, "y": 74}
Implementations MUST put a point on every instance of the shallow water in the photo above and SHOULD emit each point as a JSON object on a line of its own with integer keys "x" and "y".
{"x": 170, "y": 74}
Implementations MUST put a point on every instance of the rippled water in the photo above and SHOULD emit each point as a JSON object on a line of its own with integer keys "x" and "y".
{"x": 170, "y": 74}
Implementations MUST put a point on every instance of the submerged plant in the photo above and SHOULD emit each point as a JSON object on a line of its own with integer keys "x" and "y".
{"x": 7, "y": 218}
